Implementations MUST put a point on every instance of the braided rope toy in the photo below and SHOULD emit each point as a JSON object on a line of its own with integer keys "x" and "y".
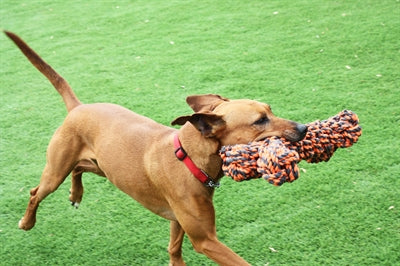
{"x": 275, "y": 159}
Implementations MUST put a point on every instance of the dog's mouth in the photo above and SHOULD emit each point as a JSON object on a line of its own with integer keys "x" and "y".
{"x": 288, "y": 136}
{"x": 262, "y": 138}
{"x": 292, "y": 136}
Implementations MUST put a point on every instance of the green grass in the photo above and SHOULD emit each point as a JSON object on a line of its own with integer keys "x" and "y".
{"x": 308, "y": 59}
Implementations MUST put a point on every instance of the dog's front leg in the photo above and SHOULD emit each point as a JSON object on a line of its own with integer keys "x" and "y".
{"x": 175, "y": 244}
{"x": 196, "y": 215}
{"x": 218, "y": 252}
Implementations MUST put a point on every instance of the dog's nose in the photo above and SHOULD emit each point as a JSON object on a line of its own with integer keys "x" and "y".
{"x": 302, "y": 129}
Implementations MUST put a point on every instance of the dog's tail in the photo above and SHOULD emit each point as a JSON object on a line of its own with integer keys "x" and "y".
{"x": 61, "y": 85}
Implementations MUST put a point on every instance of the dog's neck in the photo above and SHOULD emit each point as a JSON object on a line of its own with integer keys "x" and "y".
{"x": 203, "y": 151}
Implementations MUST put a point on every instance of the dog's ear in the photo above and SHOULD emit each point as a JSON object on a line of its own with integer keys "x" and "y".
{"x": 206, "y": 102}
{"x": 207, "y": 123}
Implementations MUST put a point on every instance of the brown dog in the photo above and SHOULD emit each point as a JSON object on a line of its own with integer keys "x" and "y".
{"x": 146, "y": 159}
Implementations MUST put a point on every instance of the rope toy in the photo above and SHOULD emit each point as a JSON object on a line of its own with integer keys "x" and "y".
{"x": 275, "y": 159}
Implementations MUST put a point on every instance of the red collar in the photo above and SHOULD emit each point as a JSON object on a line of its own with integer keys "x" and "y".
{"x": 181, "y": 154}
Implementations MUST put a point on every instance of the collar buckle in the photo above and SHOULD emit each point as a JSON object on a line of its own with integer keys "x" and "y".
{"x": 212, "y": 184}
{"x": 209, "y": 182}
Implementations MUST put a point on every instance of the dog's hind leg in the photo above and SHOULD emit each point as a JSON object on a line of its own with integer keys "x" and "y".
{"x": 175, "y": 244}
{"x": 49, "y": 182}
{"x": 76, "y": 192}
{"x": 62, "y": 155}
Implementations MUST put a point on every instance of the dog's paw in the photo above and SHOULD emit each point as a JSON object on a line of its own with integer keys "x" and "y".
{"x": 25, "y": 226}
{"x": 75, "y": 204}
{"x": 20, "y": 224}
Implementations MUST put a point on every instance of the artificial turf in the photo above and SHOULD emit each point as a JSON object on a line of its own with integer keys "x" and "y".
{"x": 307, "y": 59}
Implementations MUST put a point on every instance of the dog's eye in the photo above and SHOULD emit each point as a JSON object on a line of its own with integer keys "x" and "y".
{"x": 261, "y": 121}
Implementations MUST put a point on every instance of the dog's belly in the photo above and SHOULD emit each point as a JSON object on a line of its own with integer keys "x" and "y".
{"x": 138, "y": 186}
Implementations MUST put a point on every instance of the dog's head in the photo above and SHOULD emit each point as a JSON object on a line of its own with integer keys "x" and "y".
{"x": 238, "y": 121}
